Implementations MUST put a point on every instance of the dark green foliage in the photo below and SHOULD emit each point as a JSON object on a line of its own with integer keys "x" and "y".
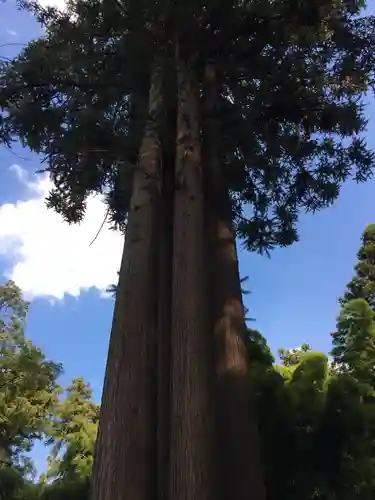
{"x": 66, "y": 490}
{"x": 318, "y": 423}
{"x": 347, "y": 429}
{"x": 317, "y": 432}
{"x": 290, "y": 413}
{"x": 259, "y": 351}
{"x": 12, "y": 482}
{"x": 292, "y": 78}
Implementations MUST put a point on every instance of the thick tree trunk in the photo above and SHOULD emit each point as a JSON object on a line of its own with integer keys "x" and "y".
{"x": 192, "y": 438}
{"x": 125, "y": 458}
{"x": 240, "y": 461}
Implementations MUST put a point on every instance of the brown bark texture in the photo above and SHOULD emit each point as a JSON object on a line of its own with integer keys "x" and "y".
{"x": 163, "y": 351}
{"x": 165, "y": 284}
{"x": 191, "y": 458}
{"x": 240, "y": 467}
{"x": 125, "y": 455}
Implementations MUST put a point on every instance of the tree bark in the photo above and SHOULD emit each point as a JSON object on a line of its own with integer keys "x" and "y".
{"x": 240, "y": 462}
{"x": 125, "y": 455}
{"x": 164, "y": 347}
{"x": 165, "y": 281}
{"x": 192, "y": 438}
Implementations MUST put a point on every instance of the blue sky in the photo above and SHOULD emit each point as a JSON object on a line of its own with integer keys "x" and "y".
{"x": 294, "y": 293}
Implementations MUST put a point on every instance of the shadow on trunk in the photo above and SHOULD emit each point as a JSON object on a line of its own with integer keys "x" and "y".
{"x": 239, "y": 454}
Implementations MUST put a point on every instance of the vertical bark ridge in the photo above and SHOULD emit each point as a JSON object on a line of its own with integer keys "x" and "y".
{"x": 164, "y": 348}
{"x": 165, "y": 282}
{"x": 125, "y": 457}
{"x": 240, "y": 461}
{"x": 191, "y": 473}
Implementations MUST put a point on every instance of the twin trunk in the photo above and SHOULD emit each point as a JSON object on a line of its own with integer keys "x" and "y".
{"x": 172, "y": 426}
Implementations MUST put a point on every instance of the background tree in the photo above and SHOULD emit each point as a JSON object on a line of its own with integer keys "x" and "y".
{"x": 73, "y": 433}
{"x": 350, "y": 400}
{"x": 258, "y": 349}
{"x": 28, "y": 388}
{"x": 350, "y": 415}
{"x": 362, "y": 285}
{"x": 354, "y": 341}
{"x": 291, "y": 357}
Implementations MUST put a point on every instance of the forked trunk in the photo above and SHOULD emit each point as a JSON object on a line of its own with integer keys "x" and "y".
{"x": 240, "y": 462}
{"x": 125, "y": 457}
{"x": 191, "y": 459}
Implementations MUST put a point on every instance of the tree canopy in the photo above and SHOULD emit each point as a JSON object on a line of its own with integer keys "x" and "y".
{"x": 292, "y": 78}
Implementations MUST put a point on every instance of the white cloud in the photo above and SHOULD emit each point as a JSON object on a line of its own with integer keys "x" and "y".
{"x": 11, "y": 32}
{"x": 46, "y": 256}
{"x": 60, "y": 4}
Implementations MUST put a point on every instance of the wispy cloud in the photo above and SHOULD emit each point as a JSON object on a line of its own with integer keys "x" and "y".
{"x": 46, "y": 256}
{"x": 11, "y": 32}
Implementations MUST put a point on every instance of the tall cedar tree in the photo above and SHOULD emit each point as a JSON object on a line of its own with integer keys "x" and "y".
{"x": 290, "y": 79}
